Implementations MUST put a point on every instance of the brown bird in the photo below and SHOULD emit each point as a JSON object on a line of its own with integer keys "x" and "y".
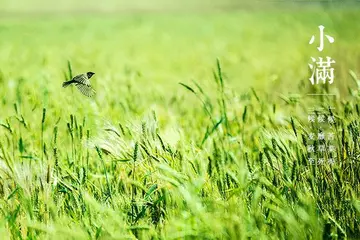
{"x": 82, "y": 82}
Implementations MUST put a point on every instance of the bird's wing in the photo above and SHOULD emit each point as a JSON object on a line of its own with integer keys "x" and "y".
{"x": 82, "y": 78}
{"x": 87, "y": 90}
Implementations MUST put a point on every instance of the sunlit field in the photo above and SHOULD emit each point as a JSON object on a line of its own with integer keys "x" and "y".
{"x": 198, "y": 130}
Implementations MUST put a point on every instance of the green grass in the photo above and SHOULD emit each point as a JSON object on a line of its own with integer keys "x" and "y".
{"x": 222, "y": 155}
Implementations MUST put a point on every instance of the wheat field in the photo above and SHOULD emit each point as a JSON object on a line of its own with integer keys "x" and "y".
{"x": 199, "y": 128}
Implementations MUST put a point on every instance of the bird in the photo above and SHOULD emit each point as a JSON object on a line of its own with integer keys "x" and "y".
{"x": 82, "y": 82}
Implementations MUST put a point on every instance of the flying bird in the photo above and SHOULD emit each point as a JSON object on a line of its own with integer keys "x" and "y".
{"x": 82, "y": 82}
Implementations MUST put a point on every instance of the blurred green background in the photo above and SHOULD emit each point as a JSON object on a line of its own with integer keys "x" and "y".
{"x": 265, "y": 47}
{"x": 147, "y": 53}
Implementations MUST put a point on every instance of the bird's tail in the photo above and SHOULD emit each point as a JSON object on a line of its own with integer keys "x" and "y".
{"x": 65, "y": 84}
